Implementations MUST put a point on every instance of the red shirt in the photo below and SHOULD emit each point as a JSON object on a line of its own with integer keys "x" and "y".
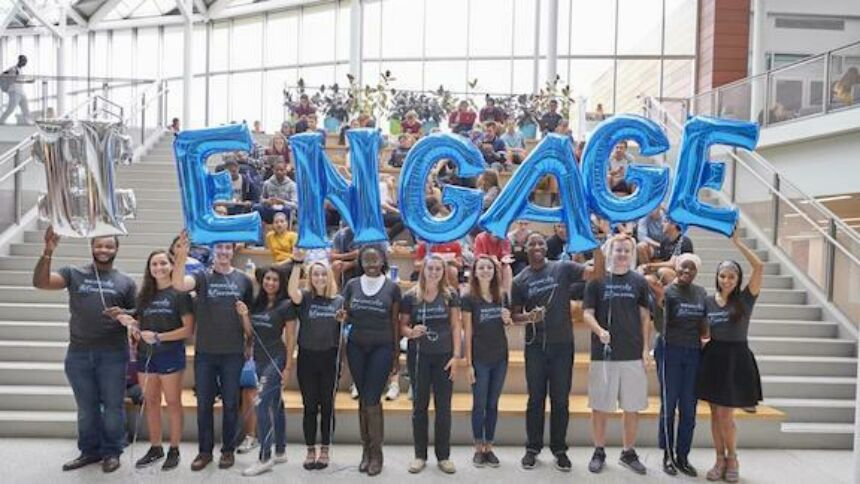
{"x": 464, "y": 121}
{"x": 446, "y": 248}
{"x": 414, "y": 128}
{"x": 485, "y": 243}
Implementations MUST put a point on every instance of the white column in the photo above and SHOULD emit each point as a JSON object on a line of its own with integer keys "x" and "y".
{"x": 536, "y": 84}
{"x": 187, "y": 44}
{"x": 857, "y": 426}
{"x": 757, "y": 90}
{"x": 355, "y": 51}
{"x": 552, "y": 41}
{"x": 61, "y": 63}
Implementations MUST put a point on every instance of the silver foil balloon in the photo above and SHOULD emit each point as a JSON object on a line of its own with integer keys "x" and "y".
{"x": 80, "y": 159}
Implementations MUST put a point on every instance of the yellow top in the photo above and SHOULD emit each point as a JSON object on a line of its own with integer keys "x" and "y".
{"x": 281, "y": 245}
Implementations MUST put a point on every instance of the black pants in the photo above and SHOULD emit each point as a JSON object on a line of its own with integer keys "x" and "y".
{"x": 317, "y": 374}
{"x": 429, "y": 371}
{"x": 548, "y": 368}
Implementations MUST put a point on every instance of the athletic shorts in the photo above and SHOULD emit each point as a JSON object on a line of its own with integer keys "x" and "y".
{"x": 617, "y": 383}
{"x": 165, "y": 361}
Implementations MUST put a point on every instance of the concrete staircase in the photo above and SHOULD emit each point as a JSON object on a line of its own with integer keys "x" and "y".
{"x": 808, "y": 372}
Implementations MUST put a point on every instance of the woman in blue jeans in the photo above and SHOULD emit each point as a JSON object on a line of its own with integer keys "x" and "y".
{"x": 485, "y": 315}
{"x": 273, "y": 320}
{"x": 371, "y": 304}
{"x": 678, "y": 353}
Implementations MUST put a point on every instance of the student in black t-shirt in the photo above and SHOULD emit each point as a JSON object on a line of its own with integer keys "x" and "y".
{"x": 430, "y": 319}
{"x": 729, "y": 377}
{"x": 319, "y": 353}
{"x": 616, "y": 310}
{"x": 540, "y": 297}
{"x": 273, "y": 320}
{"x": 664, "y": 258}
{"x": 678, "y": 353}
{"x": 97, "y": 358}
{"x": 164, "y": 320}
{"x": 221, "y": 337}
{"x": 372, "y": 305}
{"x": 485, "y": 315}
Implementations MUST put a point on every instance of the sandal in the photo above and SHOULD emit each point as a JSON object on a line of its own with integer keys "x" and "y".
{"x": 310, "y": 459}
{"x": 732, "y": 473}
{"x": 322, "y": 459}
{"x": 718, "y": 471}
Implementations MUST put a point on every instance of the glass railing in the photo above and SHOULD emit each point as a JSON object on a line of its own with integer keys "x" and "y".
{"x": 818, "y": 242}
{"x": 139, "y": 104}
{"x": 812, "y": 86}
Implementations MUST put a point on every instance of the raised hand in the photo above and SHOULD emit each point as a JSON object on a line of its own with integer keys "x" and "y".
{"x": 52, "y": 240}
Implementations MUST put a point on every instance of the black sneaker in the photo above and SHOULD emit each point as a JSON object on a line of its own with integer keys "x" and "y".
{"x": 153, "y": 455}
{"x": 685, "y": 467}
{"x": 172, "y": 459}
{"x": 479, "y": 460}
{"x": 562, "y": 463}
{"x": 598, "y": 460}
{"x": 630, "y": 460}
{"x": 81, "y": 461}
{"x": 491, "y": 459}
{"x": 669, "y": 464}
{"x": 529, "y": 461}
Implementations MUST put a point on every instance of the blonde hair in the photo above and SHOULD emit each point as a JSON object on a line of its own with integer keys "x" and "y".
{"x": 330, "y": 283}
{"x": 443, "y": 287}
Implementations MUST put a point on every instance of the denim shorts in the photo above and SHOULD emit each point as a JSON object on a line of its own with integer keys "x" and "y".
{"x": 164, "y": 361}
{"x": 248, "y": 378}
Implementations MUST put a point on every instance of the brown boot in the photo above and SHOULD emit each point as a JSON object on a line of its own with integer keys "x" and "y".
{"x": 365, "y": 439}
{"x": 376, "y": 431}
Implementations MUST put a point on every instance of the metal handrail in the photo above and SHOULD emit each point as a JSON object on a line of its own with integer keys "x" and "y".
{"x": 770, "y": 72}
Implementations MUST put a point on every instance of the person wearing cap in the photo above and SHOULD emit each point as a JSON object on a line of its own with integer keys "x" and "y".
{"x": 678, "y": 353}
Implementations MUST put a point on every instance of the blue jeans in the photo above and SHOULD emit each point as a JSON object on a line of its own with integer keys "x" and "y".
{"x": 270, "y": 409}
{"x": 678, "y": 385}
{"x": 370, "y": 367}
{"x": 97, "y": 378}
{"x": 551, "y": 369}
{"x": 489, "y": 380}
{"x": 209, "y": 370}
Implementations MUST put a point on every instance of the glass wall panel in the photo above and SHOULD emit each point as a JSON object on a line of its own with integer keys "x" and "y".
{"x": 343, "y": 26}
{"x": 146, "y": 54}
{"x": 639, "y": 26}
{"x": 402, "y": 28}
{"x": 593, "y": 28}
{"x": 172, "y": 58}
{"x": 490, "y": 27}
{"x": 446, "y": 33}
{"x": 317, "y": 34}
{"x": 407, "y": 74}
{"x": 524, "y": 27}
{"x": 219, "y": 47}
{"x": 245, "y": 97}
{"x": 246, "y": 43}
{"x": 680, "y": 31}
{"x": 451, "y": 74}
{"x": 371, "y": 28}
{"x": 219, "y": 106}
{"x": 274, "y": 111}
{"x": 636, "y": 79}
{"x": 282, "y": 39}
{"x": 494, "y": 76}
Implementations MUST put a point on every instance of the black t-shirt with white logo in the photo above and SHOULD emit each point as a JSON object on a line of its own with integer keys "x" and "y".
{"x": 726, "y": 326}
{"x": 489, "y": 342}
{"x": 436, "y": 315}
{"x": 318, "y": 328}
{"x": 218, "y": 324}
{"x": 616, "y": 301}
{"x": 370, "y": 316}
{"x": 89, "y": 328}
{"x": 162, "y": 314}
{"x": 268, "y": 326}
{"x": 684, "y": 314}
{"x": 550, "y": 286}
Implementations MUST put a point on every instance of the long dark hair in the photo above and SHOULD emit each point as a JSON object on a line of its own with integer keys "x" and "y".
{"x": 495, "y": 283}
{"x": 261, "y": 302}
{"x": 150, "y": 286}
{"x": 736, "y": 308}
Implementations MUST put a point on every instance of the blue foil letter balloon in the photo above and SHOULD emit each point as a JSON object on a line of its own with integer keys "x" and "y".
{"x": 358, "y": 202}
{"x": 552, "y": 156}
{"x": 652, "y": 182}
{"x": 466, "y": 202}
{"x": 695, "y": 171}
{"x": 200, "y": 189}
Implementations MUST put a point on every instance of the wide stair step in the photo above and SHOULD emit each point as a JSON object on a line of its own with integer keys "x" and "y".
{"x": 808, "y": 387}
{"x": 815, "y": 409}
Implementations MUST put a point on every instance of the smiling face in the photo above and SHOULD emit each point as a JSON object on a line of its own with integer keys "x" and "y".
{"x": 536, "y": 248}
{"x": 434, "y": 271}
{"x": 687, "y": 272}
{"x": 620, "y": 151}
{"x": 319, "y": 278}
{"x": 485, "y": 270}
{"x": 620, "y": 256}
{"x": 160, "y": 267}
{"x": 727, "y": 277}
{"x": 271, "y": 283}
{"x": 371, "y": 262}
{"x": 224, "y": 253}
{"x": 104, "y": 249}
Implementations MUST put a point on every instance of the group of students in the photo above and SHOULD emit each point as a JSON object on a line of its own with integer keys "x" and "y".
{"x": 449, "y": 332}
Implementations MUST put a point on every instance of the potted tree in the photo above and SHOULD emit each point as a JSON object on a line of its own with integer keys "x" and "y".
{"x": 335, "y": 104}
{"x": 526, "y": 113}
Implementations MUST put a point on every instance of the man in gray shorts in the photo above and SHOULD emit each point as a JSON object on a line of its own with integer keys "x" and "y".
{"x": 616, "y": 310}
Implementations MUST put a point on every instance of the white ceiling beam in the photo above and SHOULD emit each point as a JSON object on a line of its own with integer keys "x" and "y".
{"x": 103, "y": 11}
{"x": 128, "y": 23}
{"x": 201, "y": 7}
{"x": 76, "y": 17}
{"x": 9, "y": 16}
{"x": 217, "y": 7}
{"x": 259, "y": 7}
{"x": 41, "y": 18}
{"x": 185, "y": 8}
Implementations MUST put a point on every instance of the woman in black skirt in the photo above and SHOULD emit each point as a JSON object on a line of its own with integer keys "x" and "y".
{"x": 729, "y": 376}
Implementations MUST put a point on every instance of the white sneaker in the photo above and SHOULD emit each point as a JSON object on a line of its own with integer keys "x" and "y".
{"x": 417, "y": 465}
{"x": 353, "y": 392}
{"x": 250, "y": 443}
{"x": 447, "y": 466}
{"x": 258, "y": 468}
{"x": 393, "y": 391}
{"x": 280, "y": 458}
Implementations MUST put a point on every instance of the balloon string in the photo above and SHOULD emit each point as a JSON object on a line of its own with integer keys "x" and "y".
{"x": 150, "y": 352}
{"x": 99, "y": 282}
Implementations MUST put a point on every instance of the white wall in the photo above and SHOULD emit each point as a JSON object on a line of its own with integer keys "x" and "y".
{"x": 809, "y": 42}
